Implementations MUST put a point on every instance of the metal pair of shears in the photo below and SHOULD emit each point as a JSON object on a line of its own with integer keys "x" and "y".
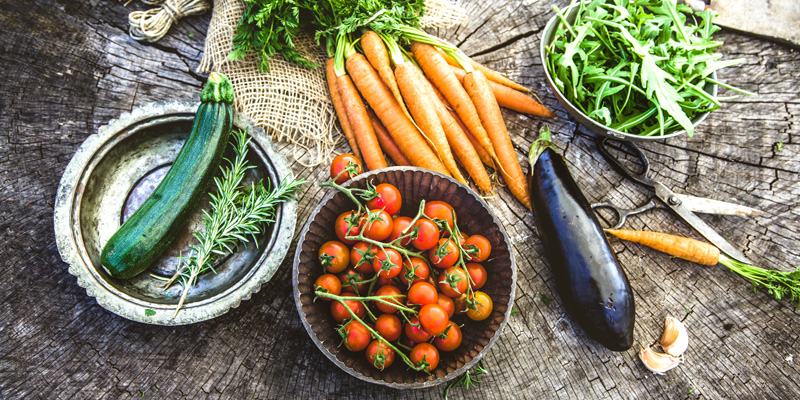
{"x": 683, "y": 205}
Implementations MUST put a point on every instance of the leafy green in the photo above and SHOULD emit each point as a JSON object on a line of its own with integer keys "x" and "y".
{"x": 638, "y": 67}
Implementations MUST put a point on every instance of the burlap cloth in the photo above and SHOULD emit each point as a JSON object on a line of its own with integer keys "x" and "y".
{"x": 290, "y": 102}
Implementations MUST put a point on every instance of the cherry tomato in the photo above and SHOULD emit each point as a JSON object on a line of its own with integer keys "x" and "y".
{"x": 388, "y": 290}
{"x": 416, "y": 271}
{"x": 424, "y": 354}
{"x": 422, "y": 293}
{"x": 329, "y": 283}
{"x": 445, "y": 254}
{"x": 447, "y": 303}
{"x": 387, "y": 263}
{"x": 414, "y": 331}
{"x": 361, "y": 256}
{"x": 339, "y": 311}
{"x": 453, "y": 281}
{"x": 389, "y": 326}
{"x": 356, "y": 336}
{"x": 484, "y": 307}
{"x": 462, "y": 238}
{"x": 450, "y": 339}
{"x": 334, "y": 256}
{"x": 433, "y": 318}
{"x": 399, "y": 225}
{"x": 381, "y": 282}
{"x": 348, "y": 223}
{"x": 481, "y": 245}
{"x": 461, "y": 304}
{"x": 388, "y": 199}
{"x": 380, "y": 355}
{"x": 440, "y": 210}
{"x": 348, "y": 279}
{"x": 478, "y": 275}
{"x": 340, "y": 163}
{"x": 427, "y": 236}
{"x": 378, "y": 225}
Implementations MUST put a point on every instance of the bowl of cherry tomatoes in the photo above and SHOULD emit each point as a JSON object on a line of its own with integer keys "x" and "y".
{"x": 403, "y": 277}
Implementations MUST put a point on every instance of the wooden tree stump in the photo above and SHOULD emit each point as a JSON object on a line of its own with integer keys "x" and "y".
{"x": 69, "y": 67}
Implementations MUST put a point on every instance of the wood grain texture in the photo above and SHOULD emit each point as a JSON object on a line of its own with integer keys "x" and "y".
{"x": 69, "y": 67}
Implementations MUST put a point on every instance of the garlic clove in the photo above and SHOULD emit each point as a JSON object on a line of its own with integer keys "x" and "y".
{"x": 675, "y": 339}
{"x": 658, "y": 362}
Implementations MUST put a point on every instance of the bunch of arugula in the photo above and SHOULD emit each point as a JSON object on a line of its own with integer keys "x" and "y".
{"x": 638, "y": 66}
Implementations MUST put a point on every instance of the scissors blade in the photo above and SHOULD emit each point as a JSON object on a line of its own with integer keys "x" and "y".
{"x": 711, "y": 206}
{"x": 670, "y": 199}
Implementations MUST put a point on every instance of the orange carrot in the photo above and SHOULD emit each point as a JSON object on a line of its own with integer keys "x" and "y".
{"x": 442, "y": 76}
{"x": 387, "y": 144}
{"x": 411, "y": 83}
{"x": 378, "y": 57}
{"x": 338, "y": 105}
{"x": 510, "y": 98}
{"x": 491, "y": 74}
{"x": 403, "y": 132}
{"x": 677, "y": 246}
{"x": 362, "y": 128}
{"x": 478, "y": 88}
{"x": 459, "y": 143}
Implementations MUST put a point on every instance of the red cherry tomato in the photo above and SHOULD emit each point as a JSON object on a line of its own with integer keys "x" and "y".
{"x": 387, "y": 263}
{"x": 427, "y": 236}
{"x": 433, "y": 318}
{"x": 414, "y": 331}
{"x": 388, "y": 290}
{"x": 445, "y": 254}
{"x": 389, "y": 326}
{"x": 356, "y": 336}
{"x": 334, "y": 256}
{"x": 361, "y": 256}
{"x": 424, "y": 354}
{"x": 381, "y": 282}
{"x": 460, "y": 302}
{"x": 388, "y": 199}
{"x": 478, "y": 275}
{"x": 379, "y": 354}
{"x": 423, "y": 293}
{"x": 340, "y": 163}
{"x": 440, "y": 210}
{"x": 453, "y": 282}
{"x": 399, "y": 225}
{"x": 339, "y": 311}
{"x": 479, "y": 244}
{"x": 329, "y": 283}
{"x": 447, "y": 303}
{"x": 349, "y": 279}
{"x": 450, "y": 339}
{"x": 348, "y": 223}
{"x": 484, "y": 307}
{"x": 416, "y": 271}
{"x": 378, "y": 225}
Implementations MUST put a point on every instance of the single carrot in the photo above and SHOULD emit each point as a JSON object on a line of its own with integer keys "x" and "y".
{"x": 510, "y": 98}
{"x": 403, "y": 132}
{"x": 362, "y": 128}
{"x": 411, "y": 83}
{"x": 477, "y": 87}
{"x": 459, "y": 143}
{"x": 338, "y": 105}
{"x": 442, "y": 76}
{"x": 677, "y": 246}
{"x": 387, "y": 144}
{"x": 491, "y": 74}
{"x": 378, "y": 57}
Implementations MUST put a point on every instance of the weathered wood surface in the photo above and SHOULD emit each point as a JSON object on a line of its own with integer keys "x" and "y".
{"x": 69, "y": 66}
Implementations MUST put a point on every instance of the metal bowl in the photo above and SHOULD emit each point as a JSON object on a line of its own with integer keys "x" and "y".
{"x": 580, "y": 116}
{"x": 414, "y": 185}
{"x": 109, "y": 177}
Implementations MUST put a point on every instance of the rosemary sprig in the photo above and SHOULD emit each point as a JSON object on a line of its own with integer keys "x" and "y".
{"x": 237, "y": 214}
{"x": 469, "y": 378}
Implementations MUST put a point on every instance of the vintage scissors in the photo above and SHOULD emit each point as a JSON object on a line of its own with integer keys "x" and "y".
{"x": 683, "y": 205}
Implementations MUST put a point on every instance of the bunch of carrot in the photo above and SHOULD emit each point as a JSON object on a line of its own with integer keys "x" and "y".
{"x": 428, "y": 106}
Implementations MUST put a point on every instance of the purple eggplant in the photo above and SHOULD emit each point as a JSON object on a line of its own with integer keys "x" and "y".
{"x": 589, "y": 279}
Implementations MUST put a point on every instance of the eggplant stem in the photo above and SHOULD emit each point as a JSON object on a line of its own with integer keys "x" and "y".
{"x": 540, "y": 145}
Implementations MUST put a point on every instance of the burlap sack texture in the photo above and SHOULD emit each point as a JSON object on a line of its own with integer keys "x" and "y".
{"x": 290, "y": 102}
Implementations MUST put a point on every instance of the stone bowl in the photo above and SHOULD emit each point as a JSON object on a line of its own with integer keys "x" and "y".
{"x": 110, "y": 176}
{"x": 474, "y": 217}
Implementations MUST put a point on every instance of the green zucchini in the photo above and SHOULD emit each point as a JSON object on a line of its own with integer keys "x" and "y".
{"x": 142, "y": 239}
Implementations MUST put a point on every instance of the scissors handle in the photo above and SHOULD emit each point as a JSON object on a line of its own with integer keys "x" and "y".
{"x": 622, "y": 214}
{"x": 642, "y": 175}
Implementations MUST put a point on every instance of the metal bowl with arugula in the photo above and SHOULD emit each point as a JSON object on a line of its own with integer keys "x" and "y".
{"x": 634, "y": 70}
